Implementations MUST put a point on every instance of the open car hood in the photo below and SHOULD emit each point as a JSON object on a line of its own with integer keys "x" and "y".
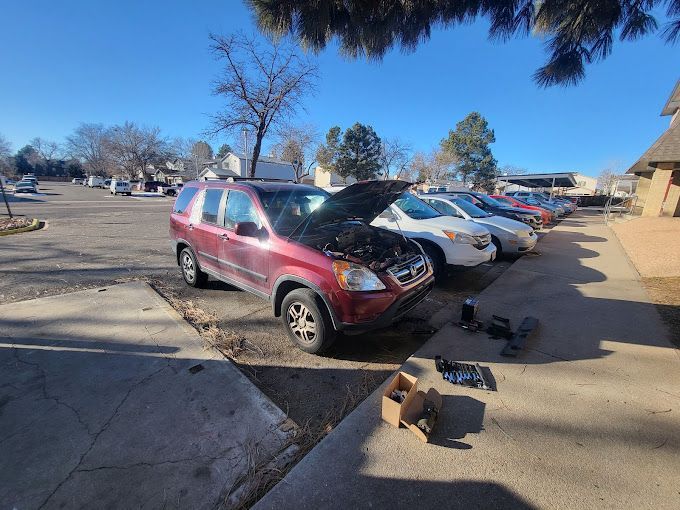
{"x": 362, "y": 201}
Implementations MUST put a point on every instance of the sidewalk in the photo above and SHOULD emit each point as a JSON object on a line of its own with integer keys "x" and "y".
{"x": 109, "y": 400}
{"x": 587, "y": 417}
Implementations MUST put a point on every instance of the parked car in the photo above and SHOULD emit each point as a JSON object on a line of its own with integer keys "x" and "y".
{"x": 567, "y": 205}
{"x": 313, "y": 256}
{"x": 152, "y": 186}
{"x": 171, "y": 190}
{"x": 556, "y": 209}
{"x": 447, "y": 241}
{"x": 77, "y": 180}
{"x": 29, "y": 178}
{"x": 25, "y": 187}
{"x": 122, "y": 187}
{"x": 546, "y": 215}
{"x": 509, "y": 236}
{"x": 488, "y": 204}
{"x": 95, "y": 182}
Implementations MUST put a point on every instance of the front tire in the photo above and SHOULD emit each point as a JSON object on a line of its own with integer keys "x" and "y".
{"x": 307, "y": 322}
{"x": 499, "y": 247}
{"x": 438, "y": 261}
{"x": 192, "y": 274}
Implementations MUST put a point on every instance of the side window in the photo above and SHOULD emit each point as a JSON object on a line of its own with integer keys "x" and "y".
{"x": 183, "y": 200}
{"x": 211, "y": 205}
{"x": 448, "y": 209}
{"x": 240, "y": 208}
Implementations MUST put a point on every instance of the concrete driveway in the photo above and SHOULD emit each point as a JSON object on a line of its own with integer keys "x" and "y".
{"x": 108, "y": 399}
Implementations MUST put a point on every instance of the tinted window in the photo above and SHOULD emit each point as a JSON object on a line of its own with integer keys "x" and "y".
{"x": 287, "y": 208}
{"x": 415, "y": 208}
{"x": 240, "y": 208}
{"x": 183, "y": 200}
{"x": 471, "y": 209}
{"x": 211, "y": 205}
{"x": 443, "y": 207}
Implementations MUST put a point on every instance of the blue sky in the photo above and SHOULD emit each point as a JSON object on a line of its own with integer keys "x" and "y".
{"x": 75, "y": 61}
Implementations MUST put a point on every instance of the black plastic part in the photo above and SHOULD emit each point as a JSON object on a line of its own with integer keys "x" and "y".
{"x": 518, "y": 340}
{"x": 428, "y": 418}
{"x": 499, "y": 328}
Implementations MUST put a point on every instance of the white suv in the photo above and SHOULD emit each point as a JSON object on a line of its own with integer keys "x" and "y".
{"x": 448, "y": 241}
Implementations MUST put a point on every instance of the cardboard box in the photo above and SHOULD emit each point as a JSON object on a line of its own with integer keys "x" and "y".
{"x": 393, "y": 411}
{"x": 409, "y": 411}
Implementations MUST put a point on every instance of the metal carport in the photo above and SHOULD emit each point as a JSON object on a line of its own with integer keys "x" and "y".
{"x": 549, "y": 180}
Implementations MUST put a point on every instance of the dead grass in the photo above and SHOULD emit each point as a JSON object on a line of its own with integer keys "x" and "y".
{"x": 263, "y": 475}
{"x": 11, "y": 224}
{"x": 229, "y": 343}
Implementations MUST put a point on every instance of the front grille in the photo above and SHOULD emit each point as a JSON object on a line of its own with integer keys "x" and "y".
{"x": 412, "y": 300}
{"x": 408, "y": 271}
{"x": 482, "y": 241}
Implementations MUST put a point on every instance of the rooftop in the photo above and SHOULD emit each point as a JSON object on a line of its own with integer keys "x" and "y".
{"x": 545, "y": 180}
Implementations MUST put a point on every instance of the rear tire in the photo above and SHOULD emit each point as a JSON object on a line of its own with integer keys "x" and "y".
{"x": 438, "y": 261}
{"x": 192, "y": 274}
{"x": 307, "y": 322}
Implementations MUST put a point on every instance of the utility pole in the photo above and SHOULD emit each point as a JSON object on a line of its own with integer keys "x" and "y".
{"x": 4, "y": 197}
{"x": 245, "y": 136}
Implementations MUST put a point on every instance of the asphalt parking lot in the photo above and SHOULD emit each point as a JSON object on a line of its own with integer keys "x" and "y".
{"x": 92, "y": 239}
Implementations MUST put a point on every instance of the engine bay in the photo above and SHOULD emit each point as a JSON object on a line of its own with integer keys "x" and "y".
{"x": 356, "y": 242}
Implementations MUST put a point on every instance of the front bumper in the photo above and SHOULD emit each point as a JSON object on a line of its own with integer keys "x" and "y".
{"x": 522, "y": 244}
{"x": 466, "y": 255}
{"x": 400, "y": 307}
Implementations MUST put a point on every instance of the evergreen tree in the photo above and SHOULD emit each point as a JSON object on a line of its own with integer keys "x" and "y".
{"x": 468, "y": 145}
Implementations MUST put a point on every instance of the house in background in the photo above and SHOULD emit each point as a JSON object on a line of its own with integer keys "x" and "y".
{"x": 234, "y": 165}
{"x": 658, "y": 189}
{"x": 327, "y": 179}
{"x": 585, "y": 185}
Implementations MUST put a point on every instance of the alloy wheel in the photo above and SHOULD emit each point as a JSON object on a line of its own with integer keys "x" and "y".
{"x": 188, "y": 267}
{"x": 301, "y": 322}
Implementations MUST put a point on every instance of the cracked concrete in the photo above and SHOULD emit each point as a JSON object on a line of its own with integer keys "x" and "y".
{"x": 98, "y": 407}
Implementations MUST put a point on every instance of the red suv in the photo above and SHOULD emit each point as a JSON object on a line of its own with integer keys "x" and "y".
{"x": 314, "y": 256}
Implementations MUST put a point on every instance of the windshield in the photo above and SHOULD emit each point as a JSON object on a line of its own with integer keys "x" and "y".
{"x": 415, "y": 208}
{"x": 470, "y": 208}
{"x": 287, "y": 208}
{"x": 489, "y": 201}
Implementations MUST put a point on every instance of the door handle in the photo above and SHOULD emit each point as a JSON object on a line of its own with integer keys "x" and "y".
{"x": 223, "y": 236}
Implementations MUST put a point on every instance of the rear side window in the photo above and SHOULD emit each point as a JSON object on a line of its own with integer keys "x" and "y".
{"x": 240, "y": 209}
{"x": 183, "y": 200}
{"x": 211, "y": 205}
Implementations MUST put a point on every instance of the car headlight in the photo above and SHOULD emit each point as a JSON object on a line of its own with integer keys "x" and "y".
{"x": 460, "y": 237}
{"x": 353, "y": 276}
{"x": 522, "y": 233}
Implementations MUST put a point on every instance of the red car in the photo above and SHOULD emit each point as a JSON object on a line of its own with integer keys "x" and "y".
{"x": 546, "y": 215}
{"x": 313, "y": 256}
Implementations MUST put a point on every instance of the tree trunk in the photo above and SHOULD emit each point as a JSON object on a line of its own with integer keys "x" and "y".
{"x": 256, "y": 151}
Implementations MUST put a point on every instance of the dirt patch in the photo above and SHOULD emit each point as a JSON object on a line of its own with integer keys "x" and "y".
{"x": 652, "y": 244}
{"x": 665, "y": 293}
{"x": 14, "y": 223}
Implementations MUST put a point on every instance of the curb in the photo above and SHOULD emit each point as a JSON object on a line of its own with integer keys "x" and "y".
{"x": 35, "y": 224}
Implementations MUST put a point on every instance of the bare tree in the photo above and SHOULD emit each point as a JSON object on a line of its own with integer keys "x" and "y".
{"x": 298, "y": 145}
{"x": 436, "y": 166}
{"x": 89, "y": 145}
{"x": 606, "y": 181}
{"x": 5, "y": 147}
{"x": 46, "y": 148}
{"x": 261, "y": 86}
{"x": 134, "y": 148}
{"x": 395, "y": 158}
{"x": 513, "y": 170}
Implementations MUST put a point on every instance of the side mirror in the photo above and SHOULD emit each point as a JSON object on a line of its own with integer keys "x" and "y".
{"x": 246, "y": 229}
